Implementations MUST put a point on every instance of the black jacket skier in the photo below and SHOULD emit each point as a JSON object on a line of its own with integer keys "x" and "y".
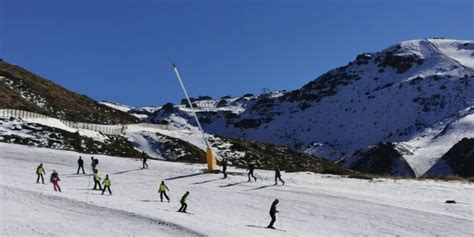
{"x": 145, "y": 165}
{"x": 251, "y": 167}
{"x": 273, "y": 211}
{"x": 80, "y": 165}
{"x": 278, "y": 176}
{"x": 224, "y": 167}
{"x": 93, "y": 163}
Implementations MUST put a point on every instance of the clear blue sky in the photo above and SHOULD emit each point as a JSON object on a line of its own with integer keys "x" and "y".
{"x": 123, "y": 50}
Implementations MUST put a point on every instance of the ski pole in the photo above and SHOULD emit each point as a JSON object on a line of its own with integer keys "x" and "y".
{"x": 279, "y": 219}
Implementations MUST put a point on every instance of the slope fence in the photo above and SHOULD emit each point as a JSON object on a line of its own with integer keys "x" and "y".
{"x": 102, "y": 128}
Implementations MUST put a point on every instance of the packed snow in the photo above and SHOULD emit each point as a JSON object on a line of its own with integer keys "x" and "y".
{"x": 310, "y": 204}
{"x": 435, "y": 142}
{"x": 461, "y": 51}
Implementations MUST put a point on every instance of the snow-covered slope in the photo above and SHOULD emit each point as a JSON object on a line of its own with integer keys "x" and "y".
{"x": 396, "y": 95}
{"x": 142, "y": 112}
{"x": 310, "y": 204}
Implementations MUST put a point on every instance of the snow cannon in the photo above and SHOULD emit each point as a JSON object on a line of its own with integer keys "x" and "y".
{"x": 211, "y": 160}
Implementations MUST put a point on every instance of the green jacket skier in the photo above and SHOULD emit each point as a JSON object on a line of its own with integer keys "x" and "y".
{"x": 96, "y": 180}
{"x": 184, "y": 206}
{"x": 106, "y": 184}
{"x": 40, "y": 172}
{"x": 162, "y": 190}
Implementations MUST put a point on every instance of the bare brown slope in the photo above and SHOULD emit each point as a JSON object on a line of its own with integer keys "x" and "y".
{"x": 21, "y": 89}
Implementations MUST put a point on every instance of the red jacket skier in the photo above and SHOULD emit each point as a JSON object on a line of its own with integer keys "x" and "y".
{"x": 55, "y": 180}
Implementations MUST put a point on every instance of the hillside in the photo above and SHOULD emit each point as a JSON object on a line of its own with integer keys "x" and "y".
{"x": 21, "y": 89}
{"x": 27, "y": 91}
{"x": 407, "y": 93}
{"x": 459, "y": 160}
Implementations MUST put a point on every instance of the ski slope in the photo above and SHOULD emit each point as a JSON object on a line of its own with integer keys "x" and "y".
{"x": 310, "y": 204}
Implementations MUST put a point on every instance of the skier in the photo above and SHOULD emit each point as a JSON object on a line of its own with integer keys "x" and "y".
{"x": 40, "y": 172}
{"x": 278, "y": 176}
{"x": 55, "y": 180}
{"x": 183, "y": 203}
{"x": 162, "y": 191}
{"x": 145, "y": 165}
{"x": 224, "y": 167}
{"x": 80, "y": 165}
{"x": 106, "y": 184}
{"x": 93, "y": 163}
{"x": 97, "y": 180}
{"x": 273, "y": 211}
{"x": 251, "y": 167}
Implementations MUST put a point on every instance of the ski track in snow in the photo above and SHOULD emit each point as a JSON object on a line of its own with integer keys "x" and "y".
{"x": 68, "y": 217}
{"x": 310, "y": 204}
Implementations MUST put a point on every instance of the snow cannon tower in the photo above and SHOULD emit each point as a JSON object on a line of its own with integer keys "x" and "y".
{"x": 210, "y": 157}
{"x": 211, "y": 160}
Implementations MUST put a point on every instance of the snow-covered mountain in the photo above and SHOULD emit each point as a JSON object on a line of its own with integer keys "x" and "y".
{"x": 141, "y": 113}
{"x": 418, "y": 94}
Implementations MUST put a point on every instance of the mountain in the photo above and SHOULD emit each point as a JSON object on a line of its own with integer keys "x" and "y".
{"x": 381, "y": 159}
{"x": 141, "y": 113}
{"x": 21, "y": 89}
{"x": 26, "y": 91}
{"x": 414, "y": 93}
{"x": 459, "y": 160}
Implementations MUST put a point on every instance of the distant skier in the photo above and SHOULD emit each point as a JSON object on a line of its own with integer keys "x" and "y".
{"x": 224, "y": 167}
{"x": 145, "y": 165}
{"x": 93, "y": 163}
{"x": 55, "y": 180}
{"x": 96, "y": 180}
{"x": 106, "y": 184}
{"x": 278, "y": 176}
{"x": 40, "y": 172}
{"x": 162, "y": 191}
{"x": 183, "y": 203}
{"x": 80, "y": 165}
{"x": 251, "y": 167}
{"x": 273, "y": 211}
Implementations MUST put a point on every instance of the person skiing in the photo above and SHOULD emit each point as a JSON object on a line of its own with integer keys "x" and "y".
{"x": 93, "y": 163}
{"x": 96, "y": 180}
{"x": 145, "y": 165}
{"x": 183, "y": 202}
{"x": 273, "y": 211}
{"x": 55, "y": 180}
{"x": 40, "y": 172}
{"x": 162, "y": 191}
{"x": 278, "y": 176}
{"x": 106, "y": 184}
{"x": 251, "y": 167}
{"x": 80, "y": 165}
{"x": 224, "y": 167}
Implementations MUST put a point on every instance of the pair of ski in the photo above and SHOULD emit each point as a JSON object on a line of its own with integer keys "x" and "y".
{"x": 263, "y": 227}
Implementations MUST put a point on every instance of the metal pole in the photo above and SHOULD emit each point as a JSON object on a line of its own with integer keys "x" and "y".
{"x": 190, "y": 104}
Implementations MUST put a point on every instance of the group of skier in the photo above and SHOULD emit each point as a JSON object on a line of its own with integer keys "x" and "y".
{"x": 163, "y": 188}
{"x": 54, "y": 178}
{"x": 251, "y": 168}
